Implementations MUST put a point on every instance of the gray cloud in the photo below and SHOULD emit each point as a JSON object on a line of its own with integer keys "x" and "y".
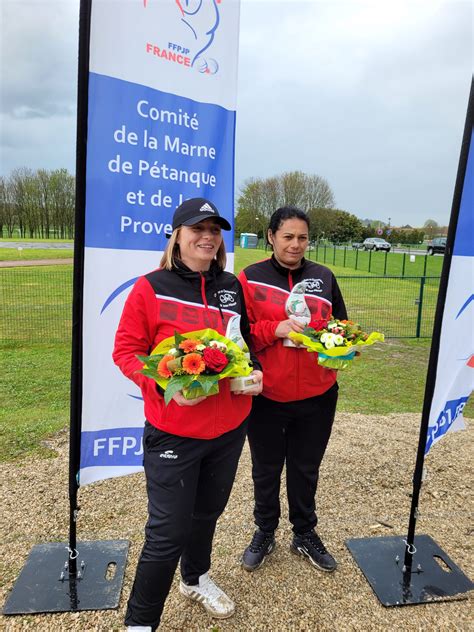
{"x": 376, "y": 108}
{"x": 370, "y": 95}
{"x": 39, "y": 58}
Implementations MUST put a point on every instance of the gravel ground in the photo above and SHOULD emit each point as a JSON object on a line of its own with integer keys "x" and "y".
{"x": 365, "y": 481}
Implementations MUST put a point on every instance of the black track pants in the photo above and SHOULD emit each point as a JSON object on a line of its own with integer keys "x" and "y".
{"x": 188, "y": 484}
{"x": 296, "y": 433}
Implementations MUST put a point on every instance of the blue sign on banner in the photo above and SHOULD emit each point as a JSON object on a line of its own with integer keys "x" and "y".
{"x": 147, "y": 152}
{"x": 455, "y": 367}
{"x": 118, "y": 447}
{"x": 464, "y": 242}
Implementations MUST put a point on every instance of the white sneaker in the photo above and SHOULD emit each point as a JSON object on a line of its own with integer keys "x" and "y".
{"x": 139, "y": 628}
{"x": 216, "y": 602}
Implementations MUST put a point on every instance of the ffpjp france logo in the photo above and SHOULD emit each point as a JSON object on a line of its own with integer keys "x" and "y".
{"x": 197, "y": 21}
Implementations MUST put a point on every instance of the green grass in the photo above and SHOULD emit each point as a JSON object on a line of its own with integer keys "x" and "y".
{"x": 392, "y": 263}
{"x": 35, "y": 324}
{"x": 389, "y": 305}
{"x": 387, "y": 378}
{"x": 32, "y": 254}
{"x": 348, "y": 262}
{"x": 246, "y": 256}
{"x": 35, "y": 304}
{"x": 34, "y": 396}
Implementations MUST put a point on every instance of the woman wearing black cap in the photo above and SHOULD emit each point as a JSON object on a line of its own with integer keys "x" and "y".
{"x": 191, "y": 447}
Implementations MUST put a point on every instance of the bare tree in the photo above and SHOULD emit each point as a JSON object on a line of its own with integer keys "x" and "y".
{"x": 44, "y": 190}
{"x": 62, "y": 191}
{"x": 431, "y": 228}
{"x": 293, "y": 188}
{"x": 38, "y": 203}
{"x": 10, "y": 219}
{"x": 318, "y": 193}
{"x": 259, "y": 198}
{"x": 25, "y": 198}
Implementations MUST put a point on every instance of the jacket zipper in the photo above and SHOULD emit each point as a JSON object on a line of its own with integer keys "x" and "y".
{"x": 203, "y": 291}
{"x": 206, "y": 305}
{"x": 297, "y": 371}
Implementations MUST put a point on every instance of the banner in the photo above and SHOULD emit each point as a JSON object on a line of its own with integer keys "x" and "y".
{"x": 455, "y": 366}
{"x": 160, "y": 129}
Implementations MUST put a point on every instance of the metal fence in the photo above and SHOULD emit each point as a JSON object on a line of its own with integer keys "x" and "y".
{"x": 406, "y": 262}
{"x": 36, "y": 304}
{"x": 399, "y": 307}
{"x": 415, "y": 263}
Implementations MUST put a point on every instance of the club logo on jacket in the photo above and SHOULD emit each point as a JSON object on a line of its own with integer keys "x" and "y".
{"x": 227, "y": 298}
{"x": 313, "y": 285}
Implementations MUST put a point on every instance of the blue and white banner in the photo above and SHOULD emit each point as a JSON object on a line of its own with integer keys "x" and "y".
{"x": 161, "y": 127}
{"x": 455, "y": 368}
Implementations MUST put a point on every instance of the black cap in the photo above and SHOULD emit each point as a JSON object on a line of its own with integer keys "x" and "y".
{"x": 196, "y": 210}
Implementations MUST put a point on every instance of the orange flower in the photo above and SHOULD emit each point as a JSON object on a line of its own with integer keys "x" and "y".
{"x": 162, "y": 368}
{"x": 189, "y": 345}
{"x": 193, "y": 364}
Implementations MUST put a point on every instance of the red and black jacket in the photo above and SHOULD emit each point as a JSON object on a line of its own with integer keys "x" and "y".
{"x": 290, "y": 374}
{"x": 181, "y": 300}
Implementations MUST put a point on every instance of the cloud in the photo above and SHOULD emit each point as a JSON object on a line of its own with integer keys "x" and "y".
{"x": 370, "y": 95}
{"x": 39, "y": 58}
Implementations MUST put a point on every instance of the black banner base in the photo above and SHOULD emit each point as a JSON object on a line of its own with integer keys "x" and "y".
{"x": 45, "y": 584}
{"x": 433, "y": 575}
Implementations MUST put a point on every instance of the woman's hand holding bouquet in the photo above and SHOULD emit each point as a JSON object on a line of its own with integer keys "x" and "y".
{"x": 189, "y": 366}
{"x": 337, "y": 342}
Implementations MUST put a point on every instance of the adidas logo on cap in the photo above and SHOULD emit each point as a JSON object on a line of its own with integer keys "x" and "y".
{"x": 206, "y": 208}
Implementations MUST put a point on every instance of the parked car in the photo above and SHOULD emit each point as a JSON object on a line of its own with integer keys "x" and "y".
{"x": 357, "y": 245}
{"x": 376, "y": 243}
{"x": 438, "y": 244}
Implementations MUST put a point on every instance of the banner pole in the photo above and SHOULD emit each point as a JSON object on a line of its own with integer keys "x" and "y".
{"x": 387, "y": 561}
{"x": 435, "y": 340}
{"x": 78, "y": 279}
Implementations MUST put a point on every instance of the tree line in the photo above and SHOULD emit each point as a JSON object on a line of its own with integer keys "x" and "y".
{"x": 41, "y": 204}
{"x": 259, "y": 197}
{"x": 37, "y": 203}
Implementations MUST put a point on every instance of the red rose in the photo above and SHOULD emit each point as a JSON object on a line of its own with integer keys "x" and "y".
{"x": 214, "y": 359}
{"x": 317, "y": 325}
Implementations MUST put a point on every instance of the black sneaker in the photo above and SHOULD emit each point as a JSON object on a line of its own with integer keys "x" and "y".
{"x": 263, "y": 543}
{"x": 309, "y": 545}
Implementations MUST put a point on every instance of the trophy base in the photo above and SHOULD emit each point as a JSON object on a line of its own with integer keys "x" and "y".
{"x": 241, "y": 383}
{"x": 289, "y": 343}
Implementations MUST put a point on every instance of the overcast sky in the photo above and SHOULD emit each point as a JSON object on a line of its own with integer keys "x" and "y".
{"x": 370, "y": 95}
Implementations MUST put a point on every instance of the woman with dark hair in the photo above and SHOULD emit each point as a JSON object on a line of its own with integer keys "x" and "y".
{"x": 191, "y": 447}
{"x": 291, "y": 420}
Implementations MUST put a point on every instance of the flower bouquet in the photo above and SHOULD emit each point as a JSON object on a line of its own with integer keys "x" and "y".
{"x": 194, "y": 363}
{"x": 335, "y": 341}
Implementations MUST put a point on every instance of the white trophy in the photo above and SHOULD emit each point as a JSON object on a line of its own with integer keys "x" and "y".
{"x": 233, "y": 333}
{"x": 297, "y": 309}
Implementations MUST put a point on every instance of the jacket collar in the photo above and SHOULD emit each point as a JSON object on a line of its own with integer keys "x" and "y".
{"x": 296, "y": 274}
{"x": 182, "y": 269}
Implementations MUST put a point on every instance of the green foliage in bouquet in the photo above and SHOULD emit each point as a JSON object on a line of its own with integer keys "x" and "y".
{"x": 194, "y": 363}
